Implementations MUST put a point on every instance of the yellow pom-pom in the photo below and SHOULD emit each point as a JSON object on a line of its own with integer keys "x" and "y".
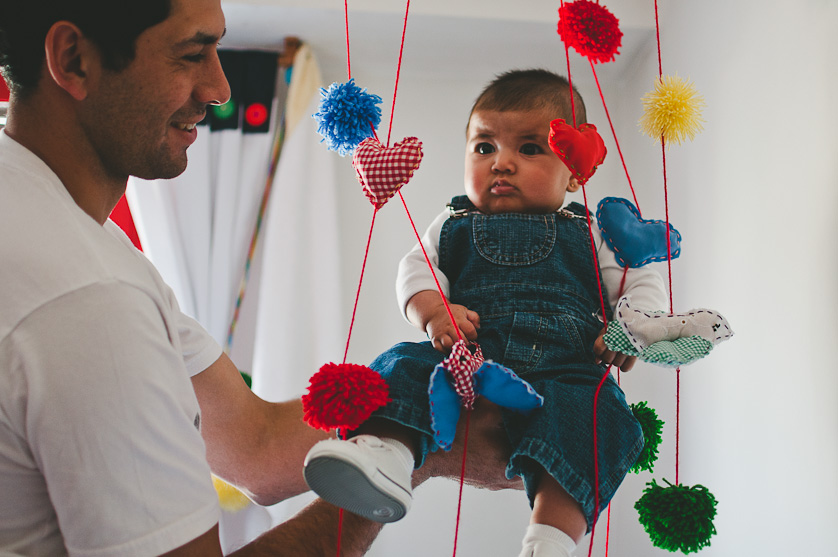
{"x": 231, "y": 499}
{"x": 672, "y": 110}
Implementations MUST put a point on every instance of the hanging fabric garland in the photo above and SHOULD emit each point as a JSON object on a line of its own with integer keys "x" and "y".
{"x": 678, "y": 517}
{"x": 347, "y": 116}
{"x": 342, "y": 396}
{"x": 672, "y": 111}
{"x": 652, "y": 427}
{"x": 672, "y": 114}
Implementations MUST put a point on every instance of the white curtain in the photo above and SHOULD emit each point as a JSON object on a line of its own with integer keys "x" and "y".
{"x": 197, "y": 229}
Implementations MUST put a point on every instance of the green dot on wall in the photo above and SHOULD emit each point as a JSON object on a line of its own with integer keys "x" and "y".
{"x": 224, "y": 111}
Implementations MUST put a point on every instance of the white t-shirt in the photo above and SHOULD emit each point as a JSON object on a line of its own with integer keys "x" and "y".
{"x": 100, "y": 451}
{"x": 644, "y": 284}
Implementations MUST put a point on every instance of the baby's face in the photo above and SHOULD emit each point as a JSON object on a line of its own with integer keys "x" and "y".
{"x": 509, "y": 167}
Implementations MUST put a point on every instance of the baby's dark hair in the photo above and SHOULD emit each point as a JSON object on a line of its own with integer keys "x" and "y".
{"x": 535, "y": 89}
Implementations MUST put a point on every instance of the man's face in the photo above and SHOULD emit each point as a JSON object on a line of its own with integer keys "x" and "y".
{"x": 141, "y": 120}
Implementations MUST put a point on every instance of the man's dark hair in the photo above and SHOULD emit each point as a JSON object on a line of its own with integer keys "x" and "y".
{"x": 536, "y": 89}
{"x": 112, "y": 25}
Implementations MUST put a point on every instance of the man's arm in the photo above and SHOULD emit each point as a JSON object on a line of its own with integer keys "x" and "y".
{"x": 312, "y": 532}
{"x": 260, "y": 447}
{"x": 256, "y": 445}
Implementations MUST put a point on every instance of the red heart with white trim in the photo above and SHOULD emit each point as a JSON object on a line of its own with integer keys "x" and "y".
{"x": 581, "y": 149}
{"x": 382, "y": 171}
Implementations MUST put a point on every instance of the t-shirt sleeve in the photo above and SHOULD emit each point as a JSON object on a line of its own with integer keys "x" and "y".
{"x": 112, "y": 422}
{"x": 198, "y": 348}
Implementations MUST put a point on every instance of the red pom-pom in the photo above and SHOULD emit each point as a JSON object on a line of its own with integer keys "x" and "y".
{"x": 591, "y": 29}
{"x": 343, "y": 396}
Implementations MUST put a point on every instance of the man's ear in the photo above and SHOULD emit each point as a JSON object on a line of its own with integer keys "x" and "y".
{"x": 69, "y": 55}
{"x": 573, "y": 185}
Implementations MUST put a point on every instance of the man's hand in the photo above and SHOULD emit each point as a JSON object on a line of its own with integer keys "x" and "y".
{"x": 603, "y": 355}
{"x": 488, "y": 452}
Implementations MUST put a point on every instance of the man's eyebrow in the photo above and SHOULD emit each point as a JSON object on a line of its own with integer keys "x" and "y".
{"x": 202, "y": 38}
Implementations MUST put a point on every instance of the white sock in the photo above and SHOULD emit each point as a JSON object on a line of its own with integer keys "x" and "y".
{"x": 545, "y": 541}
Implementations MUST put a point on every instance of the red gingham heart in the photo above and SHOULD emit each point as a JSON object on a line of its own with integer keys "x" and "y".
{"x": 462, "y": 364}
{"x": 581, "y": 149}
{"x": 382, "y": 171}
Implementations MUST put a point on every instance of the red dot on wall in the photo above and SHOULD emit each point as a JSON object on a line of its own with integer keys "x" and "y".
{"x": 256, "y": 114}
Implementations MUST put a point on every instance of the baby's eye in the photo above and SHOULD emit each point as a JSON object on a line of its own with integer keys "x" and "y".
{"x": 484, "y": 148}
{"x": 531, "y": 149}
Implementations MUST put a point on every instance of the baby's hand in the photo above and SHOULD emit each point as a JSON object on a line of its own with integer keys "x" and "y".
{"x": 443, "y": 333}
{"x": 621, "y": 361}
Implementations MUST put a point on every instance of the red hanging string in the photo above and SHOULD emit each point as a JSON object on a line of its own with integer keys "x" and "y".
{"x": 427, "y": 259}
{"x": 602, "y": 307}
{"x": 366, "y": 252}
{"x": 340, "y": 529}
{"x": 398, "y": 72}
{"x": 431, "y": 267}
{"x": 459, "y": 337}
{"x": 360, "y": 282}
{"x": 668, "y": 236}
{"x": 604, "y": 375}
{"x": 596, "y": 458}
{"x": 462, "y": 477}
{"x": 346, "y": 22}
{"x": 669, "y": 266}
{"x": 658, "y": 37}
{"x": 614, "y": 133}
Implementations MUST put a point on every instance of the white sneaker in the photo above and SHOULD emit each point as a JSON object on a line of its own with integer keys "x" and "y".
{"x": 364, "y": 475}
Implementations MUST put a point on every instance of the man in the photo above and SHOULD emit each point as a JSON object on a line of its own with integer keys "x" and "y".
{"x": 106, "y": 445}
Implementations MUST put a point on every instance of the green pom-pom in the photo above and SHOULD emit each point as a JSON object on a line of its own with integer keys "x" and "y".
{"x": 678, "y": 517}
{"x": 249, "y": 380}
{"x": 651, "y": 426}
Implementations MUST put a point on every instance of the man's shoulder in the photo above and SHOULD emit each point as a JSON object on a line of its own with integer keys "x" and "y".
{"x": 50, "y": 248}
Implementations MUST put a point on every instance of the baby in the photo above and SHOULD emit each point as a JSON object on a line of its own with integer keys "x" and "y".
{"x": 519, "y": 272}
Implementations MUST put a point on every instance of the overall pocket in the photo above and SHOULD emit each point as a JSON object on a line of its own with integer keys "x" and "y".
{"x": 514, "y": 239}
{"x": 542, "y": 343}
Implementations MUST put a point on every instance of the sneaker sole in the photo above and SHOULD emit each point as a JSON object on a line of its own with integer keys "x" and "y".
{"x": 344, "y": 485}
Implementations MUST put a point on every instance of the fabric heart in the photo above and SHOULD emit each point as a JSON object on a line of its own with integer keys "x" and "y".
{"x": 664, "y": 353}
{"x": 581, "y": 149}
{"x": 635, "y": 241}
{"x": 497, "y": 383}
{"x": 382, "y": 171}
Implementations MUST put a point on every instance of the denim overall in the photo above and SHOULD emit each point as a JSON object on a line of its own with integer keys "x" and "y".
{"x": 531, "y": 280}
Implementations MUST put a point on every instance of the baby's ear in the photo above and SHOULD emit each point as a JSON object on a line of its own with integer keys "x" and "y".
{"x": 573, "y": 185}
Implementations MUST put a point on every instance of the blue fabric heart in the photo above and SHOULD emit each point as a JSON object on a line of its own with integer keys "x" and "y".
{"x": 445, "y": 407}
{"x": 497, "y": 383}
{"x": 503, "y": 387}
{"x": 635, "y": 241}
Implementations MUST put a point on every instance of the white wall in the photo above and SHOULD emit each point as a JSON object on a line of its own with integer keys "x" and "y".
{"x": 753, "y": 196}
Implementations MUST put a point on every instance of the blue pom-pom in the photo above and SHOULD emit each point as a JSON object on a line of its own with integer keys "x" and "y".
{"x": 347, "y": 116}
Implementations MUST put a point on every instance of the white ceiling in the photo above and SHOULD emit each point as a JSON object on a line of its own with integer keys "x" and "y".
{"x": 443, "y": 38}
